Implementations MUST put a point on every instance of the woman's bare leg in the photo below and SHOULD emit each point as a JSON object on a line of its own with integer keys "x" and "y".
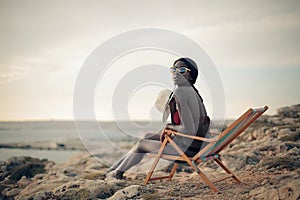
{"x": 136, "y": 154}
{"x": 148, "y": 136}
{"x": 152, "y": 136}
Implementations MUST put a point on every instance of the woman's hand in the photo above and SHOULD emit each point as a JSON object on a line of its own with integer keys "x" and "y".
{"x": 162, "y": 135}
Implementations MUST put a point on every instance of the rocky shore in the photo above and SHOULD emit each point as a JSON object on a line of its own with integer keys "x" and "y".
{"x": 266, "y": 158}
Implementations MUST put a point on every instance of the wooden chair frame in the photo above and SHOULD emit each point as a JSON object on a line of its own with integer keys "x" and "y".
{"x": 210, "y": 151}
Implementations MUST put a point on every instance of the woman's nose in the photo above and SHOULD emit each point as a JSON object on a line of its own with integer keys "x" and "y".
{"x": 175, "y": 76}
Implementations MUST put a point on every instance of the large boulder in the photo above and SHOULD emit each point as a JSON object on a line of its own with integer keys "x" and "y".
{"x": 292, "y": 111}
{"x": 17, "y": 167}
{"x": 130, "y": 192}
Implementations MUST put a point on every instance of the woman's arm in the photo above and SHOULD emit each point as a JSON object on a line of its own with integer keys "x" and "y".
{"x": 172, "y": 105}
{"x": 183, "y": 96}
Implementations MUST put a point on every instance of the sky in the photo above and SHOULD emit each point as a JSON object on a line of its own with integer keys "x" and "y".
{"x": 254, "y": 45}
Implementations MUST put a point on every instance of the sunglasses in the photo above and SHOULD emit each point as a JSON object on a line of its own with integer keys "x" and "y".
{"x": 180, "y": 70}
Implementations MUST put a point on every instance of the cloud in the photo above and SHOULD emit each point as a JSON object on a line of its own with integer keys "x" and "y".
{"x": 263, "y": 39}
{"x": 44, "y": 43}
{"x": 9, "y": 77}
{"x": 248, "y": 33}
{"x": 64, "y": 58}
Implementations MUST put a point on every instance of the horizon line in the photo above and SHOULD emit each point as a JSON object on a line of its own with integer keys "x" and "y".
{"x": 90, "y": 120}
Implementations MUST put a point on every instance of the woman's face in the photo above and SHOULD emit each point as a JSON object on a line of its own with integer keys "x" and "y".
{"x": 178, "y": 78}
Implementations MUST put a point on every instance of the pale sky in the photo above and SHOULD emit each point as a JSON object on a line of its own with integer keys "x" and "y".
{"x": 254, "y": 45}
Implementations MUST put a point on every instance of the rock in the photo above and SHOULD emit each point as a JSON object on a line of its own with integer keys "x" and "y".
{"x": 106, "y": 189}
{"x": 252, "y": 160}
{"x": 279, "y": 163}
{"x": 268, "y": 194}
{"x": 38, "y": 177}
{"x": 293, "y": 136}
{"x": 283, "y": 132}
{"x": 28, "y": 169}
{"x": 292, "y": 111}
{"x": 288, "y": 120}
{"x": 267, "y": 148}
{"x": 40, "y": 195}
{"x": 280, "y": 179}
{"x": 269, "y": 132}
{"x": 275, "y": 121}
{"x": 14, "y": 161}
{"x": 101, "y": 175}
{"x": 70, "y": 173}
{"x": 7, "y": 180}
{"x": 257, "y": 191}
{"x": 267, "y": 180}
{"x": 23, "y": 182}
{"x": 250, "y": 138}
{"x": 11, "y": 193}
{"x": 255, "y": 134}
{"x": 287, "y": 146}
{"x": 95, "y": 166}
{"x": 293, "y": 152}
{"x": 290, "y": 190}
{"x": 76, "y": 194}
{"x": 130, "y": 192}
{"x": 17, "y": 167}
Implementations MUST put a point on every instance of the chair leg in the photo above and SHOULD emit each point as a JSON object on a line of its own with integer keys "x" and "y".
{"x": 155, "y": 161}
{"x": 193, "y": 165}
{"x": 173, "y": 171}
{"x": 207, "y": 181}
{"x": 228, "y": 171}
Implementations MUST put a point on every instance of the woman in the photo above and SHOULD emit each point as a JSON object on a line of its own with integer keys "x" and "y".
{"x": 188, "y": 115}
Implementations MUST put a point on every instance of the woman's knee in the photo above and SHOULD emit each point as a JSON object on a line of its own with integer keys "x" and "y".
{"x": 152, "y": 136}
{"x": 141, "y": 146}
{"x": 140, "y": 143}
{"x": 146, "y": 146}
{"x": 148, "y": 135}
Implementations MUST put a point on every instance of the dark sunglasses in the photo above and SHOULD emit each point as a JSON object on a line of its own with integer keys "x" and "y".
{"x": 180, "y": 70}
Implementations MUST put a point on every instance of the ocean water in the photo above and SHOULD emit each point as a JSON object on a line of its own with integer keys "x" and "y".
{"x": 88, "y": 134}
{"x": 66, "y": 132}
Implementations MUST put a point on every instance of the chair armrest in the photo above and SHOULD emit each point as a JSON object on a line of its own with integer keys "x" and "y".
{"x": 171, "y": 132}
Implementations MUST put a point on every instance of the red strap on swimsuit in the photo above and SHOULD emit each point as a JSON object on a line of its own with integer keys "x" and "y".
{"x": 176, "y": 118}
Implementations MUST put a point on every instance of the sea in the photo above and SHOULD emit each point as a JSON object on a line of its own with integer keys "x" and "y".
{"x": 72, "y": 134}
{"x": 60, "y": 140}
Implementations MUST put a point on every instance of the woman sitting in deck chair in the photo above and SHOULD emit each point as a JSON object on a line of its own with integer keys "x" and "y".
{"x": 188, "y": 115}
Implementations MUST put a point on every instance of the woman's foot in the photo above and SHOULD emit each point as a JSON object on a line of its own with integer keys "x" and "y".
{"x": 118, "y": 175}
{"x": 115, "y": 174}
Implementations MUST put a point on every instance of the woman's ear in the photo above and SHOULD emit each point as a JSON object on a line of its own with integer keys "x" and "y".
{"x": 190, "y": 77}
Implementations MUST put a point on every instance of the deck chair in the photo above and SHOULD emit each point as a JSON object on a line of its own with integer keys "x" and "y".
{"x": 210, "y": 152}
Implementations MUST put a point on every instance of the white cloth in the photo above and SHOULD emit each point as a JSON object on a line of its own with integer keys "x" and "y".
{"x": 162, "y": 99}
{"x": 162, "y": 104}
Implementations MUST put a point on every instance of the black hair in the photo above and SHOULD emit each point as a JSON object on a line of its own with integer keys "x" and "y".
{"x": 192, "y": 66}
